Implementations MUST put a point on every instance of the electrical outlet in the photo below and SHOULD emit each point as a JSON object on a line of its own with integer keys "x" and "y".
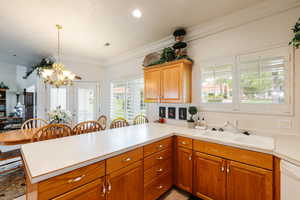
{"x": 286, "y": 123}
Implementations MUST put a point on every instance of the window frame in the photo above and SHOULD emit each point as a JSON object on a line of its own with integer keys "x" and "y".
{"x": 125, "y": 80}
{"x": 287, "y": 108}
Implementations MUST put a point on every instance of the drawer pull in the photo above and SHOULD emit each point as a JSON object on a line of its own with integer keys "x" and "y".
{"x": 228, "y": 168}
{"x": 127, "y": 159}
{"x": 190, "y": 157}
{"x": 160, "y": 170}
{"x": 184, "y": 143}
{"x": 160, "y": 187}
{"x": 76, "y": 179}
{"x": 160, "y": 146}
{"x": 160, "y": 158}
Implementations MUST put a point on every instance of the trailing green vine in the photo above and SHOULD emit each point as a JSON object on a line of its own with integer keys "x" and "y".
{"x": 46, "y": 63}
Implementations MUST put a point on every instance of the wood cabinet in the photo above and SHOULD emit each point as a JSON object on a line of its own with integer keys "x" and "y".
{"x": 126, "y": 184}
{"x": 210, "y": 171}
{"x": 184, "y": 169}
{"x": 92, "y": 191}
{"x": 248, "y": 182}
{"x": 169, "y": 82}
{"x": 209, "y": 177}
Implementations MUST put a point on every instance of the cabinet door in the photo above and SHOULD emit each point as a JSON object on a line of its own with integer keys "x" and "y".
{"x": 209, "y": 179}
{"x": 171, "y": 84}
{"x": 92, "y": 191}
{"x": 247, "y": 182}
{"x": 127, "y": 185}
{"x": 184, "y": 169}
{"x": 152, "y": 85}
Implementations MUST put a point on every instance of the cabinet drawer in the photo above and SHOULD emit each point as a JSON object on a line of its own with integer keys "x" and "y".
{"x": 184, "y": 142}
{"x": 92, "y": 191}
{"x": 123, "y": 160}
{"x": 244, "y": 156}
{"x": 157, "y": 146}
{"x": 61, "y": 184}
{"x": 157, "y": 170}
{"x": 157, "y": 158}
{"x": 158, "y": 187}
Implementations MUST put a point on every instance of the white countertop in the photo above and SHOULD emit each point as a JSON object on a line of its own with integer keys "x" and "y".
{"x": 50, "y": 158}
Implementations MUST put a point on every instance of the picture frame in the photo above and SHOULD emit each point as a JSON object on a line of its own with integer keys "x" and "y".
{"x": 182, "y": 113}
{"x": 171, "y": 112}
{"x": 162, "y": 112}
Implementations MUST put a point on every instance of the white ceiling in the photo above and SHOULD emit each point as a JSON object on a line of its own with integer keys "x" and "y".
{"x": 28, "y": 26}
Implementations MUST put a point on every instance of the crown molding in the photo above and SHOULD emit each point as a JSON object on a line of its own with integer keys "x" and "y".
{"x": 234, "y": 20}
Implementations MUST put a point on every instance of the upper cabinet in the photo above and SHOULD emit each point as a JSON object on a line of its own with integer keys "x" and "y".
{"x": 169, "y": 82}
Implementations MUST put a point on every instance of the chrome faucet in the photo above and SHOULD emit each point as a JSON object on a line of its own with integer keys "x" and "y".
{"x": 235, "y": 128}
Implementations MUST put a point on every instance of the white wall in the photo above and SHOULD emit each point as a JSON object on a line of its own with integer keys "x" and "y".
{"x": 258, "y": 34}
{"x": 8, "y": 76}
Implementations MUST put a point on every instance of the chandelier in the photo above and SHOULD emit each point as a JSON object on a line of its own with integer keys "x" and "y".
{"x": 57, "y": 75}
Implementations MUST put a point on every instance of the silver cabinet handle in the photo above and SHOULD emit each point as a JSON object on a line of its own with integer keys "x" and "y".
{"x": 160, "y": 187}
{"x": 103, "y": 189}
{"x": 160, "y": 170}
{"x": 228, "y": 168}
{"x": 190, "y": 157}
{"x": 184, "y": 143}
{"x": 160, "y": 146}
{"x": 109, "y": 187}
{"x": 76, "y": 179}
{"x": 160, "y": 158}
{"x": 127, "y": 159}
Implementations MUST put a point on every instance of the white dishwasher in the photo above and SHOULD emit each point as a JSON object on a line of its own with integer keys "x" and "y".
{"x": 290, "y": 181}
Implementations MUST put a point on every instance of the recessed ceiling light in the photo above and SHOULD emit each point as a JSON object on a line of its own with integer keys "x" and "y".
{"x": 136, "y": 13}
{"x": 107, "y": 44}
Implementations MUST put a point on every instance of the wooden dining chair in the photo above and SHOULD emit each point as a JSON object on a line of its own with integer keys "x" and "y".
{"x": 87, "y": 127}
{"x": 118, "y": 123}
{"x": 33, "y": 124}
{"x": 140, "y": 119}
{"x": 51, "y": 131}
{"x": 103, "y": 121}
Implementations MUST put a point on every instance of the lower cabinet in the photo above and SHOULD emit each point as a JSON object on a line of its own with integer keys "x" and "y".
{"x": 184, "y": 169}
{"x": 215, "y": 178}
{"x": 92, "y": 191}
{"x": 126, "y": 184}
{"x": 247, "y": 182}
{"x": 209, "y": 177}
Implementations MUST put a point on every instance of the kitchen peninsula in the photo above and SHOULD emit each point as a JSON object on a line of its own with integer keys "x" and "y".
{"x": 145, "y": 161}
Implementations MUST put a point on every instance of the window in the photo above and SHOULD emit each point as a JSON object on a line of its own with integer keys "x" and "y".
{"x": 259, "y": 82}
{"x": 127, "y": 99}
{"x": 58, "y": 97}
{"x": 86, "y": 104}
{"x": 217, "y": 83}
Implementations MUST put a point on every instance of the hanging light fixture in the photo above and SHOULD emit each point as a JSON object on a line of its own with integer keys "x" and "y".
{"x": 58, "y": 75}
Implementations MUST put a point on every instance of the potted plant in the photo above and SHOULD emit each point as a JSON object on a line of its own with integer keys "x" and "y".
{"x": 59, "y": 116}
{"x": 192, "y": 111}
{"x": 296, "y": 40}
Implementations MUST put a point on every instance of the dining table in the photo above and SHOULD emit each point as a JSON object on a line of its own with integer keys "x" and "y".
{"x": 16, "y": 137}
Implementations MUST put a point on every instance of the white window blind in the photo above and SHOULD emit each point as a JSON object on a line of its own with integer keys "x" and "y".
{"x": 127, "y": 99}
{"x": 217, "y": 83}
{"x": 262, "y": 80}
{"x": 259, "y": 82}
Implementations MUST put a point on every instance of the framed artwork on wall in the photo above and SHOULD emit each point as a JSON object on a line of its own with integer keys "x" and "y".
{"x": 171, "y": 112}
{"x": 182, "y": 113}
{"x": 162, "y": 112}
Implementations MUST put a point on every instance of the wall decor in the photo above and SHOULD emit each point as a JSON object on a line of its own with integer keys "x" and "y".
{"x": 176, "y": 52}
{"x": 296, "y": 39}
{"x": 171, "y": 112}
{"x": 162, "y": 112}
{"x": 182, "y": 113}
